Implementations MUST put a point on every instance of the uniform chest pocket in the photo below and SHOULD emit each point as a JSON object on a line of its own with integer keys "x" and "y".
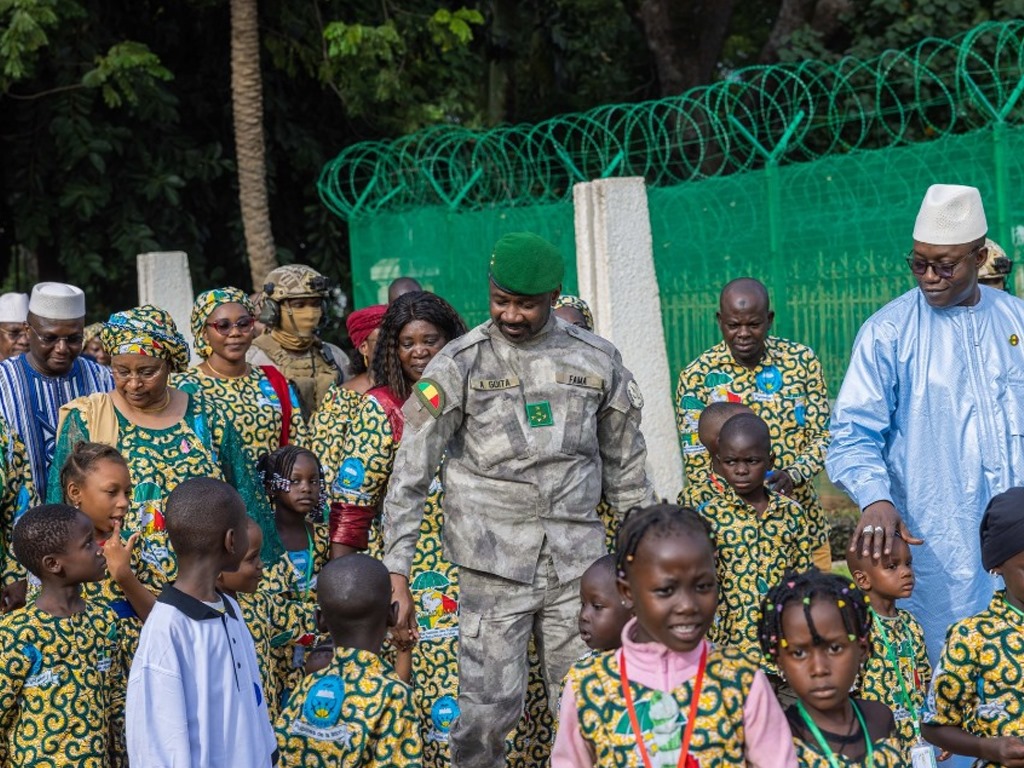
{"x": 495, "y": 435}
{"x": 580, "y": 435}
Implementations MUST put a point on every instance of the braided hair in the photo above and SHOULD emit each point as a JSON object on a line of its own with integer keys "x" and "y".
{"x": 83, "y": 460}
{"x": 275, "y": 471}
{"x": 407, "y": 308}
{"x": 658, "y": 519}
{"x": 805, "y": 587}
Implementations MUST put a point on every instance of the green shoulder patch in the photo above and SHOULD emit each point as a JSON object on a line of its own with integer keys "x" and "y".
{"x": 431, "y": 395}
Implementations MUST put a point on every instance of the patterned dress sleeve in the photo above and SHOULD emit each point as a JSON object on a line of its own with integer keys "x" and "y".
{"x": 953, "y": 693}
{"x": 690, "y": 401}
{"x": 18, "y": 495}
{"x": 13, "y": 670}
{"x": 398, "y": 742}
{"x": 808, "y": 538}
{"x": 240, "y": 472}
{"x": 298, "y": 432}
{"x": 362, "y": 479}
{"x": 72, "y": 432}
{"x": 812, "y": 460}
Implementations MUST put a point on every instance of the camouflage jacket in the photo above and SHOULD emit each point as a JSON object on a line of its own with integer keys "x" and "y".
{"x": 533, "y": 433}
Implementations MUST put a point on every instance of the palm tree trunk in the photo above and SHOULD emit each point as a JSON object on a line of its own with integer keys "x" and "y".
{"x": 247, "y": 104}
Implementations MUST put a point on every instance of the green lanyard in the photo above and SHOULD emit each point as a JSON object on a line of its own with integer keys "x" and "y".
{"x": 1012, "y": 607}
{"x": 890, "y": 651}
{"x": 826, "y": 750}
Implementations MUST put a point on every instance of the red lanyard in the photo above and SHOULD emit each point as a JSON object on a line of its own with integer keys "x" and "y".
{"x": 691, "y": 717}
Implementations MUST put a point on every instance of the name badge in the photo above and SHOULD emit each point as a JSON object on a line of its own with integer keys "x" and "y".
{"x": 487, "y": 385}
{"x": 580, "y": 380}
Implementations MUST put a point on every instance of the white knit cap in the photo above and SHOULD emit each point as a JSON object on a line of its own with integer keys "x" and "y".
{"x": 57, "y": 301}
{"x": 13, "y": 307}
{"x": 950, "y": 215}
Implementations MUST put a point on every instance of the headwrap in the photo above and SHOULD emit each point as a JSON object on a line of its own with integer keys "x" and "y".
{"x": 526, "y": 264}
{"x": 363, "y": 322}
{"x": 146, "y": 330}
{"x": 205, "y": 303}
{"x": 92, "y": 331}
{"x": 1002, "y": 528}
{"x": 565, "y": 300}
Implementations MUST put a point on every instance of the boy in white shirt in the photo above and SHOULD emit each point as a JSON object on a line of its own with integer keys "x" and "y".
{"x": 194, "y": 693}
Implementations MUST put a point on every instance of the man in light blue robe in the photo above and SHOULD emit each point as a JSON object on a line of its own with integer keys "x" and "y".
{"x": 929, "y": 423}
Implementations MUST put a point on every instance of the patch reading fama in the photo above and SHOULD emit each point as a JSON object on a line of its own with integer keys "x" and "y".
{"x": 579, "y": 380}
{"x": 431, "y": 395}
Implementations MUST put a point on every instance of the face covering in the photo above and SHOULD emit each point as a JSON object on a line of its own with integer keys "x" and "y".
{"x": 297, "y": 327}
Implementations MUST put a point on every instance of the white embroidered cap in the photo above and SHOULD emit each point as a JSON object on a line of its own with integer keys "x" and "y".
{"x": 57, "y": 301}
{"x": 950, "y": 215}
{"x": 13, "y": 307}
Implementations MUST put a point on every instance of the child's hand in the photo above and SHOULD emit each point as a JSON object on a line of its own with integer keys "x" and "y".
{"x": 119, "y": 553}
{"x": 1007, "y": 751}
{"x": 944, "y": 755}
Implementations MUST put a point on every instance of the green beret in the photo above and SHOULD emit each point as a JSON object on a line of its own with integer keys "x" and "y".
{"x": 526, "y": 264}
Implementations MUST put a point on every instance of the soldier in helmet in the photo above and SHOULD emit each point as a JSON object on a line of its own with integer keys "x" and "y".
{"x": 294, "y": 299}
{"x": 996, "y": 268}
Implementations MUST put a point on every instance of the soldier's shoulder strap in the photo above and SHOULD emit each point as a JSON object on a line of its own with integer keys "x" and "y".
{"x": 591, "y": 339}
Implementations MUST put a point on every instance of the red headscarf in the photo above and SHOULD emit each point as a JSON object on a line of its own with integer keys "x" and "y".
{"x": 363, "y": 322}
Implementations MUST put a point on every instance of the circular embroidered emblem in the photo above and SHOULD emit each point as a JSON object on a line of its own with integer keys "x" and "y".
{"x": 636, "y": 399}
{"x": 444, "y": 712}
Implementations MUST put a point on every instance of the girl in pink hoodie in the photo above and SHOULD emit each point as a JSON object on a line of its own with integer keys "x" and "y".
{"x": 667, "y": 698}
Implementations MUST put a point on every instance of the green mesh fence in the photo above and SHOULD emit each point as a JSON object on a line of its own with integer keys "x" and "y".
{"x": 806, "y": 176}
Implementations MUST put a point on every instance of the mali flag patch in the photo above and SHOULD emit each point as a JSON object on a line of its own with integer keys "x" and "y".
{"x": 431, "y": 395}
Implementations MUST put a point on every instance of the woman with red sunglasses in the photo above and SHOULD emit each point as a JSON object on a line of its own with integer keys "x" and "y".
{"x": 259, "y": 401}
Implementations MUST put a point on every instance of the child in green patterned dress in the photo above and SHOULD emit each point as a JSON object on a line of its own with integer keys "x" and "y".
{"x": 976, "y": 703}
{"x": 761, "y": 535}
{"x": 815, "y": 626}
{"x": 355, "y": 711}
{"x": 273, "y": 621}
{"x": 897, "y": 670}
{"x": 95, "y": 479}
{"x": 62, "y": 670}
{"x": 603, "y": 612}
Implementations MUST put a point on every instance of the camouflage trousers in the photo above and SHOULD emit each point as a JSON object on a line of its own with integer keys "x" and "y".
{"x": 496, "y": 619}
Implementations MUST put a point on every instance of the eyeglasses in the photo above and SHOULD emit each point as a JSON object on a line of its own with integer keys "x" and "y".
{"x": 223, "y": 327}
{"x": 14, "y": 334}
{"x": 943, "y": 271}
{"x": 49, "y": 340}
{"x": 143, "y": 374}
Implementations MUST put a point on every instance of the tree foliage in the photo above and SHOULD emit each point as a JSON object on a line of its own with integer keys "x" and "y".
{"x": 116, "y": 126}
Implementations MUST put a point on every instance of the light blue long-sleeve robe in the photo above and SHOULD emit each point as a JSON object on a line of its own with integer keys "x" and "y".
{"x": 931, "y": 417}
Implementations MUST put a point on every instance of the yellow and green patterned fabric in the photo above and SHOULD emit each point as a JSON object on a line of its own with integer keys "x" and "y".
{"x": 252, "y": 405}
{"x": 284, "y": 579}
{"x": 203, "y": 444}
{"x": 879, "y": 680}
{"x": 978, "y": 684}
{"x": 718, "y": 731}
{"x": 328, "y": 429}
{"x": 355, "y": 713}
{"x": 752, "y": 554}
{"x": 17, "y": 494}
{"x": 275, "y": 622}
{"x": 62, "y": 689}
{"x": 697, "y": 495}
{"x": 155, "y": 566}
{"x": 786, "y": 389}
{"x": 887, "y": 754}
{"x": 368, "y": 451}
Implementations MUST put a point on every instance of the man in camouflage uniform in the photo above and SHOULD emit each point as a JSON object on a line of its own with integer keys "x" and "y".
{"x": 292, "y": 309}
{"x": 536, "y": 418}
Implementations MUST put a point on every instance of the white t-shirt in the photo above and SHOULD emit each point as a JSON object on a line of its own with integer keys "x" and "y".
{"x": 194, "y": 693}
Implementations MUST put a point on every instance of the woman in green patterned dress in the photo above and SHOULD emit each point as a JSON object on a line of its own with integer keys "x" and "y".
{"x": 329, "y": 425}
{"x": 263, "y": 407}
{"x": 413, "y": 330}
{"x": 166, "y": 435}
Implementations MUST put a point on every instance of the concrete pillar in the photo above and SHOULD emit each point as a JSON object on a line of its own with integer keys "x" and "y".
{"x": 164, "y": 281}
{"x": 615, "y": 272}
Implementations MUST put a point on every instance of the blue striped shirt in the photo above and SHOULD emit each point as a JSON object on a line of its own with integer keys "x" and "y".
{"x": 30, "y": 402}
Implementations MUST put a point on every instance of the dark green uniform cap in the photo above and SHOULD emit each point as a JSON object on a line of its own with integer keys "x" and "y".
{"x": 527, "y": 264}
